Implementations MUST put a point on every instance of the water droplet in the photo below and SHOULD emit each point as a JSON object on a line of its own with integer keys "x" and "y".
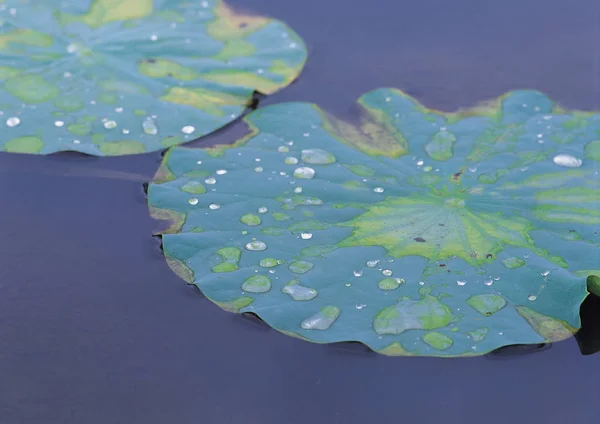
{"x": 488, "y": 282}
{"x": 214, "y": 206}
{"x": 125, "y": 131}
{"x": 263, "y": 210}
{"x": 199, "y": 162}
{"x": 317, "y": 157}
{"x": 283, "y": 149}
{"x": 373, "y": 263}
{"x": 378, "y": 189}
{"x": 306, "y": 236}
{"x": 299, "y": 292}
{"x": 567, "y": 161}
{"x": 387, "y": 272}
{"x": 154, "y": 37}
{"x": 545, "y": 273}
{"x": 193, "y": 201}
{"x": 221, "y": 171}
{"x": 210, "y": 180}
{"x": 109, "y": 125}
{"x": 361, "y": 306}
{"x": 304, "y": 172}
{"x": 256, "y": 246}
{"x": 461, "y": 282}
{"x": 269, "y": 262}
{"x": 71, "y": 48}
{"x": 188, "y": 129}
{"x": 532, "y": 297}
{"x": 348, "y": 284}
{"x": 298, "y": 190}
{"x": 513, "y": 262}
{"x": 76, "y": 141}
{"x": 59, "y": 123}
{"x": 118, "y": 109}
{"x": 13, "y": 122}
{"x": 300, "y": 267}
{"x": 149, "y": 126}
{"x": 251, "y": 220}
{"x": 420, "y": 163}
{"x": 358, "y": 273}
{"x": 257, "y": 284}
{"x": 291, "y": 160}
{"x": 390, "y": 283}
{"x": 322, "y": 320}
{"x": 259, "y": 169}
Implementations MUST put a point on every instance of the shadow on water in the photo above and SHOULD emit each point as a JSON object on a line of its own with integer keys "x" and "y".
{"x": 96, "y": 329}
{"x": 588, "y": 336}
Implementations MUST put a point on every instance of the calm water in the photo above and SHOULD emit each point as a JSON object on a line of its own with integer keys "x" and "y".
{"x": 95, "y": 329}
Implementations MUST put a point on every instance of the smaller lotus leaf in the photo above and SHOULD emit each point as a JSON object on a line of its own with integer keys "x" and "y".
{"x": 414, "y": 231}
{"x": 119, "y": 77}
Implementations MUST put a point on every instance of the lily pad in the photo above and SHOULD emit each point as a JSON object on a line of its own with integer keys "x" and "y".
{"x": 118, "y": 77}
{"x": 413, "y": 231}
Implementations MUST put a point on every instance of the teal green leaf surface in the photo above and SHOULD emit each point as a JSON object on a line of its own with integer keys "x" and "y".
{"x": 119, "y": 77}
{"x": 413, "y": 231}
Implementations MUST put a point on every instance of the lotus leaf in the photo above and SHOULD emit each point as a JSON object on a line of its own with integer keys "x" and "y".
{"x": 413, "y": 231}
{"x": 118, "y": 77}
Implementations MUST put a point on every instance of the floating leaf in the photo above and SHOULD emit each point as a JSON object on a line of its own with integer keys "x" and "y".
{"x": 415, "y": 232}
{"x": 118, "y": 77}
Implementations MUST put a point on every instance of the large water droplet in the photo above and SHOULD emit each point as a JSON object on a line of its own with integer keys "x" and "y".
{"x": 149, "y": 126}
{"x": 358, "y": 273}
{"x": 306, "y": 236}
{"x": 299, "y": 292}
{"x": 257, "y": 284}
{"x": 269, "y": 262}
{"x": 317, "y": 157}
{"x": 188, "y": 129}
{"x": 373, "y": 264}
{"x": 390, "y": 283}
{"x": 387, "y": 272}
{"x": 251, "y": 220}
{"x": 256, "y": 245}
{"x": 567, "y": 161}
{"x": 300, "y": 267}
{"x": 290, "y": 161}
{"x": 304, "y": 172}
{"x": 13, "y": 121}
{"x": 193, "y": 201}
{"x": 322, "y": 320}
{"x": 461, "y": 282}
{"x": 513, "y": 262}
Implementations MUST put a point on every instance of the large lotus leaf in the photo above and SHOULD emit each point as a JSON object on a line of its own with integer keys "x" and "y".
{"x": 415, "y": 232}
{"x": 117, "y": 77}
